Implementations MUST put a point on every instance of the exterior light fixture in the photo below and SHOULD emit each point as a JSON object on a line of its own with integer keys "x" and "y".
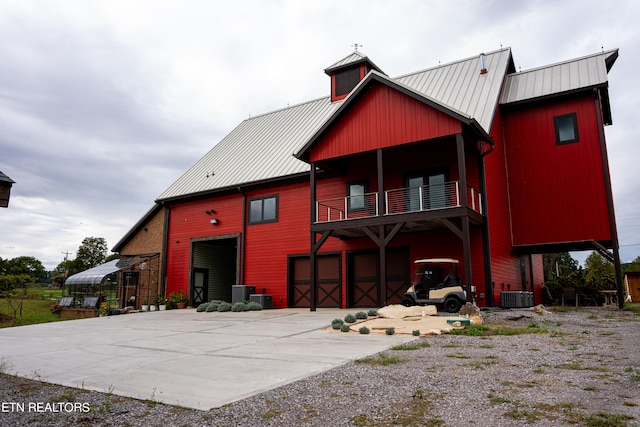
{"x": 214, "y": 221}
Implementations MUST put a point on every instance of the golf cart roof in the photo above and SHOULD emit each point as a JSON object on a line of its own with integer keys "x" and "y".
{"x": 436, "y": 261}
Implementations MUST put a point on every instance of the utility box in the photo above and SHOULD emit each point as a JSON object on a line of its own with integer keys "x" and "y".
{"x": 241, "y": 293}
{"x": 265, "y": 300}
{"x": 516, "y": 299}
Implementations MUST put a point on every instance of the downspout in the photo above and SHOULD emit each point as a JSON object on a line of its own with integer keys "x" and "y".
{"x": 165, "y": 244}
{"x": 607, "y": 185}
{"x": 243, "y": 238}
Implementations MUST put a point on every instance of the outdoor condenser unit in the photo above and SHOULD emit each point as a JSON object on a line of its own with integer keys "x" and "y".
{"x": 516, "y": 299}
{"x": 265, "y": 300}
{"x": 241, "y": 293}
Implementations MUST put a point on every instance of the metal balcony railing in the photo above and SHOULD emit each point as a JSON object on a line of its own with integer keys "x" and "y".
{"x": 397, "y": 201}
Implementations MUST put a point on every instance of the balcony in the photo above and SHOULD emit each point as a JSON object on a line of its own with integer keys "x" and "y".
{"x": 398, "y": 201}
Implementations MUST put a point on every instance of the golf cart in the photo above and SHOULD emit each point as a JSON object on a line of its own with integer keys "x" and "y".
{"x": 429, "y": 288}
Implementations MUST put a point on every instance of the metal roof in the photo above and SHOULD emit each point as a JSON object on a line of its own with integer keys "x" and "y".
{"x": 93, "y": 276}
{"x": 353, "y": 58}
{"x": 262, "y": 147}
{"x": 576, "y": 74}
{"x": 5, "y": 178}
{"x": 460, "y": 85}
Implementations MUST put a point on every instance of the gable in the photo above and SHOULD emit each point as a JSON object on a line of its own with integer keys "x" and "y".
{"x": 381, "y": 117}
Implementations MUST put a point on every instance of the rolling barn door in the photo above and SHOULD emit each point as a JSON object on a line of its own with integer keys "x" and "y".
{"x": 329, "y": 282}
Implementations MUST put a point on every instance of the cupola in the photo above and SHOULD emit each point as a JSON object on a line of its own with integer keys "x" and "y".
{"x": 347, "y": 73}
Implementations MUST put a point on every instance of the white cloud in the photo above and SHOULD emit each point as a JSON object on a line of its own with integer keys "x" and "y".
{"x": 104, "y": 103}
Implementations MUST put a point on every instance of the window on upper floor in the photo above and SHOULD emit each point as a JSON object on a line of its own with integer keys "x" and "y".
{"x": 346, "y": 80}
{"x": 566, "y": 127}
{"x": 263, "y": 210}
{"x": 356, "y": 195}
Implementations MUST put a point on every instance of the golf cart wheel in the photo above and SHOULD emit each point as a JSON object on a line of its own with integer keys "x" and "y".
{"x": 407, "y": 302}
{"x": 452, "y": 305}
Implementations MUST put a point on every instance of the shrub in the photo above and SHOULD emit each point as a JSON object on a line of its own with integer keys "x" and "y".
{"x": 337, "y": 326}
{"x": 415, "y": 333}
{"x": 254, "y": 306}
{"x": 390, "y": 331}
{"x": 338, "y": 322}
{"x": 364, "y": 330}
{"x": 350, "y": 318}
{"x": 238, "y": 307}
{"x": 361, "y": 315}
{"x": 202, "y": 307}
{"x": 213, "y": 306}
{"x": 344, "y": 328}
{"x": 372, "y": 313}
{"x": 224, "y": 306}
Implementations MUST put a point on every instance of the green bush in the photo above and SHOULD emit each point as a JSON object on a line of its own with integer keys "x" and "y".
{"x": 372, "y": 313}
{"x": 224, "y": 306}
{"x": 415, "y": 333}
{"x": 202, "y": 307}
{"x": 390, "y": 331}
{"x": 361, "y": 315}
{"x": 254, "y": 306}
{"x": 350, "y": 318}
{"x": 337, "y": 321}
{"x": 238, "y": 307}
{"x": 337, "y": 326}
{"x": 364, "y": 330}
{"x": 344, "y": 328}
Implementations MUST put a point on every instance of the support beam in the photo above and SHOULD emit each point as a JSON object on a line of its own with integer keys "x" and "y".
{"x": 313, "y": 247}
{"x": 607, "y": 185}
{"x": 486, "y": 240}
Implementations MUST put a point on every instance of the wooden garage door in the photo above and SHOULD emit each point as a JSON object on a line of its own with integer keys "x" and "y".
{"x": 329, "y": 281}
{"x": 398, "y": 274}
{"x": 363, "y": 280}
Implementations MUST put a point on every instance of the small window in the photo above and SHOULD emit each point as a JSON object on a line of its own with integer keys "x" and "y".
{"x": 566, "y": 129}
{"x": 264, "y": 209}
{"x": 356, "y": 192}
{"x": 345, "y": 81}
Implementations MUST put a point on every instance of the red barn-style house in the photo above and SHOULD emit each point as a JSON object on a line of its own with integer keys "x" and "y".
{"x": 328, "y": 203}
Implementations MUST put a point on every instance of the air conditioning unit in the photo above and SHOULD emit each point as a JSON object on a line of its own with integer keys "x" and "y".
{"x": 516, "y": 299}
{"x": 241, "y": 293}
{"x": 265, "y": 300}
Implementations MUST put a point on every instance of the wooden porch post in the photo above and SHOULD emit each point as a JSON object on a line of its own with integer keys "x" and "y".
{"x": 382, "y": 257}
{"x": 466, "y": 236}
{"x": 312, "y": 246}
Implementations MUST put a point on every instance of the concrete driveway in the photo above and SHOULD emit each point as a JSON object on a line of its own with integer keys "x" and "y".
{"x": 185, "y": 358}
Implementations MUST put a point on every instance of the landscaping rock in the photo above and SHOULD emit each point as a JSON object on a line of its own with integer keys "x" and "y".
{"x": 397, "y": 311}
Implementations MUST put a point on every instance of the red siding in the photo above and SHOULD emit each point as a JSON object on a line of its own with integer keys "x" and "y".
{"x": 557, "y": 191}
{"x": 383, "y": 117}
{"x": 505, "y": 268}
{"x": 189, "y": 220}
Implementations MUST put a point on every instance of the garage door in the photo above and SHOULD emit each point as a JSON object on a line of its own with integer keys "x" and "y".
{"x": 329, "y": 281}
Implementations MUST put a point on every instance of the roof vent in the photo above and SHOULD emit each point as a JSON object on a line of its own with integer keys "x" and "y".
{"x": 483, "y": 66}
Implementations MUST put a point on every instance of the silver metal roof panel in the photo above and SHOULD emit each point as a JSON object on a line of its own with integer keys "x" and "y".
{"x": 567, "y": 76}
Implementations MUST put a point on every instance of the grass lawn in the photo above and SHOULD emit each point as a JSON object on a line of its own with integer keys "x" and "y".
{"x": 33, "y": 311}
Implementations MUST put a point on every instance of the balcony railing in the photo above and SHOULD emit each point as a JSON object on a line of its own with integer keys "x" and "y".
{"x": 397, "y": 201}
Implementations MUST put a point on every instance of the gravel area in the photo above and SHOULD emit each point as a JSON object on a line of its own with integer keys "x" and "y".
{"x": 567, "y": 367}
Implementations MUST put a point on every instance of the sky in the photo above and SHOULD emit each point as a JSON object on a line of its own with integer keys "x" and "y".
{"x": 104, "y": 104}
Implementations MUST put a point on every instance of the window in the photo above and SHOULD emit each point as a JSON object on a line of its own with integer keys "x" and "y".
{"x": 346, "y": 80}
{"x": 356, "y": 195}
{"x": 566, "y": 127}
{"x": 263, "y": 209}
{"x": 426, "y": 190}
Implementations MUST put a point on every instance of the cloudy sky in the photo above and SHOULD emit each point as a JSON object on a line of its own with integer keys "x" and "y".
{"x": 103, "y": 104}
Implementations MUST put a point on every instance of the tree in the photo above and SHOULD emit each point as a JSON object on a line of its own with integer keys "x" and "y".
{"x": 92, "y": 252}
{"x": 600, "y": 273}
{"x": 558, "y": 264}
{"x": 24, "y": 265}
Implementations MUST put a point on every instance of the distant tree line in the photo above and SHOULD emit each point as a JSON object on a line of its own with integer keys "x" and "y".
{"x": 22, "y": 271}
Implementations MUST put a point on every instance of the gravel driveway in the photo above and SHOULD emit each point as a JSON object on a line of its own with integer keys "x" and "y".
{"x": 564, "y": 368}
